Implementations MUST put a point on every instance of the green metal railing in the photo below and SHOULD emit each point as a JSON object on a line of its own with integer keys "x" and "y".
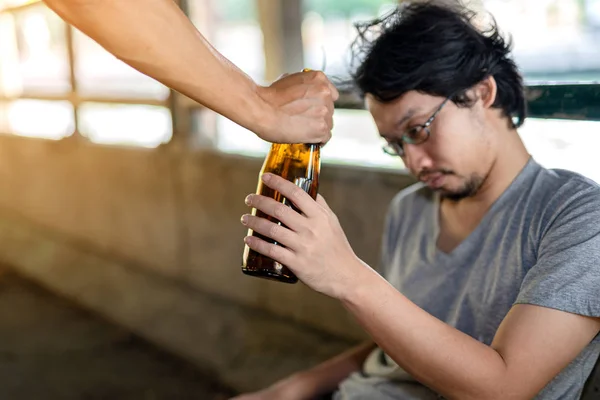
{"x": 560, "y": 101}
{"x": 579, "y": 102}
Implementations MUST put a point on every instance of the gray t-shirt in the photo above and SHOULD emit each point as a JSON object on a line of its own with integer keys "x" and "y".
{"x": 539, "y": 243}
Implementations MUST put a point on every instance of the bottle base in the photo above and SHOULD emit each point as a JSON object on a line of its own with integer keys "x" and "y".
{"x": 270, "y": 276}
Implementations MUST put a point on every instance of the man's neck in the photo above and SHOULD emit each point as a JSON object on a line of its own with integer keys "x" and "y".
{"x": 459, "y": 218}
{"x": 510, "y": 161}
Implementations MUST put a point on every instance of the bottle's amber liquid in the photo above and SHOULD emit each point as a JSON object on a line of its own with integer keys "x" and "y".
{"x": 298, "y": 163}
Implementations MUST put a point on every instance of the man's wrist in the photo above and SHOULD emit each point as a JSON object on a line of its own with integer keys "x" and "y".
{"x": 265, "y": 115}
{"x": 363, "y": 280}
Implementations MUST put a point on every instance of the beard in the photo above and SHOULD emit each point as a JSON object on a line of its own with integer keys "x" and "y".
{"x": 469, "y": 189}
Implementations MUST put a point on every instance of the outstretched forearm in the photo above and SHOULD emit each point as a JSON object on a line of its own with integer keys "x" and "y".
{"x": 156, "y": 38}
{"x": 326, "y": 377}
{"x": 319, "y": 380}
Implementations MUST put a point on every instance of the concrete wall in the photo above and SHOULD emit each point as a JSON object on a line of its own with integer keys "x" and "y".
{"x": 152, "y": 240}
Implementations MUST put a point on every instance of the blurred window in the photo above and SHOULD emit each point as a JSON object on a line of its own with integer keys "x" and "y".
{"x": 36, "y": 79}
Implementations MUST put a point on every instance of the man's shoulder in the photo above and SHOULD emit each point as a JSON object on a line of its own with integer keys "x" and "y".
{"x": 567, "y": 178}
{"x": 562, "y": 197}
{"x": 562, "y": 188}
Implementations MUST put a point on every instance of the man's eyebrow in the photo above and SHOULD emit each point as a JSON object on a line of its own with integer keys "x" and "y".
{"x": 408, "y": 115}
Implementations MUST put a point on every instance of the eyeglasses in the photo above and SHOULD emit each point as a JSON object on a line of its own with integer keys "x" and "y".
{"x": 415, "y": 135}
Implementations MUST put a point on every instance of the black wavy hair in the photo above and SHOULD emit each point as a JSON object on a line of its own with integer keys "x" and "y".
{"x": 435, "y": 49}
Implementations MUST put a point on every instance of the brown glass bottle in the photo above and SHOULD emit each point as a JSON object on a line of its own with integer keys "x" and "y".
{"x": 298, "y": 163}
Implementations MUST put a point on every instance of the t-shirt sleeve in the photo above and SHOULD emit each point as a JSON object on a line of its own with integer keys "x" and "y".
{"x": 567, "y": 273}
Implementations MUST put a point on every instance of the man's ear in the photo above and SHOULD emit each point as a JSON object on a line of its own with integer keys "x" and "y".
{"x": 486, "y": 91}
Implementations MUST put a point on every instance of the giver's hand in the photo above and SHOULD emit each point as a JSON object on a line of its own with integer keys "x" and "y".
{"x": 316, "y": 248}
{"x": 302, "y": 104}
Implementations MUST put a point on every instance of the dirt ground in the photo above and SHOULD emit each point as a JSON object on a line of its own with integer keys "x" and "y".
{"x": 50, "y": 349}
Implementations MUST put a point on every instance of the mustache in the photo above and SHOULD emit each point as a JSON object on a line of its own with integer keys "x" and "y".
{"x": 425, "y": 173}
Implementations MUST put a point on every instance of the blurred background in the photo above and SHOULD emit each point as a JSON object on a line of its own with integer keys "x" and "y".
{"x": 123, "y": 197}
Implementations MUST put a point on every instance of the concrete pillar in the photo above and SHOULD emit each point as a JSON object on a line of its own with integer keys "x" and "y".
{"x": 281, "y": 23}
{"x": 193, "y": 124}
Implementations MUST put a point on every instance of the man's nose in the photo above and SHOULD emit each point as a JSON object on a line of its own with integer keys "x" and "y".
{"x": 416, "y": 158}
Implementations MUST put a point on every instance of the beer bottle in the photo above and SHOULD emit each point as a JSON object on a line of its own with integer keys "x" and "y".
{"x": 298, "y": 163}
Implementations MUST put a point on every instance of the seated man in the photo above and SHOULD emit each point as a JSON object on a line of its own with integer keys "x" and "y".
{"x": 491, "y": 262}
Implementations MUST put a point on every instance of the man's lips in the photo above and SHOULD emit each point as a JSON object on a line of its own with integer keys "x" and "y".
{"x": 433, "y": 180}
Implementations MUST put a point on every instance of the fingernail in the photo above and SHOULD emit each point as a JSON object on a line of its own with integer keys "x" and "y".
{"x": 266, "y": 177}
{"x": 246, "y": 239}
{"x": 244, "y": 219}
{"x": 248, "y": 200}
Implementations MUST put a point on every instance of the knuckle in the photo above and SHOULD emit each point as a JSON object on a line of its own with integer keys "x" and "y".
{"x": 322, "y": 127}
{"x": 320, "y": 75}
{"x": 296, "y": 193}
{"x": 323, "y": 213}
{"x": 274, "y": 230}
{"x": 279, "y": 211}
{"x": 325, "y": 91}
{"x": 303, "y": 248}
{"x": 308, "y": 76}
{"x": 312, "y": 236}
{"x": 335, "y": 93}
{"x": 273, "y": 251}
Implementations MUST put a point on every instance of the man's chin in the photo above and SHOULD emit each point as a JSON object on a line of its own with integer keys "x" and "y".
{"x": 470, "y": 189}
{"x": 452, "y": 195}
